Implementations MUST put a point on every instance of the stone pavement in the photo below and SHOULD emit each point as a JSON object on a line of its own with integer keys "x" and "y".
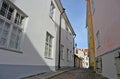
{"x": 69, "y": 74}
{"x": 79, "y": 74}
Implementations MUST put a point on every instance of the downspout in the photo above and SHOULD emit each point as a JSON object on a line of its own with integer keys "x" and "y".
{"x": 60, "y": 38}
{"x": 74, "y": 48}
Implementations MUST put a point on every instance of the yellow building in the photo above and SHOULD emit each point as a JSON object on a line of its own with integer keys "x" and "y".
{"x": 89, "y": 26}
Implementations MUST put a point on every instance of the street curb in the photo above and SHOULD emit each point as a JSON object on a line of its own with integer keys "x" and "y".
{"x": 48, "y": 74}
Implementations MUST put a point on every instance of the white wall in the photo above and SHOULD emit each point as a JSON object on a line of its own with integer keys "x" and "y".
{"x": 80, "y": 53}
{"x": 108, "y": 66}
{"x": 33, "y": 45}
{"x": 68, "y": 44}
{"x": 33, "y": 42}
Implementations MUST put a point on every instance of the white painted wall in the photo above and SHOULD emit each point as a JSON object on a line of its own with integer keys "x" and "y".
{"x": 80, "y": 53}
{"x": 33, "y": 43}
{"x": 68, "y": 44}
{"x": 34, "y": 36}
{"x": 108, "y": 66}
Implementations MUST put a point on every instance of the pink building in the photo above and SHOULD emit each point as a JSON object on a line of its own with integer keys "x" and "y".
{"x": 106, "y": 23}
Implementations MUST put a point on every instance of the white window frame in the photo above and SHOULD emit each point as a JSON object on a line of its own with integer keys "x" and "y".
{"x": 98, "y": 39}
{"x": 67, "y": 31}
{"x": 48, "y": 45}
{"x": 52, "y": 10}
{"x": 70, "y": 56}
{"x": 11, "y": 45}
{"x": 67, "y": 55}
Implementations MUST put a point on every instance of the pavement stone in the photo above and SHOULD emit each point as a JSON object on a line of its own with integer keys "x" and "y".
{"x": 69, "y": 73}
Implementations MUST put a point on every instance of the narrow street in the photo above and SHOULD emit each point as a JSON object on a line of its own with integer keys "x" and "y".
{"x": 79, "y": 74}
{"x": 70, "y": 74}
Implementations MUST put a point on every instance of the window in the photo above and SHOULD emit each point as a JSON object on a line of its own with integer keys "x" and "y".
{"x": 70, "y": 56}
{"x": 67, "y": 32}
{"x": 6, "y": 10}
{"x": 99, "y": 64}
{"x": 92, "y": 6}
{"x": 98, "y": 39}
{"x": 10, "y": 31}
{"x": 52, "y": 10}
{"x": 62, "y": 52}
{"x": 10, "y": 12}
{"x": 4, "y": 33}
{"x": 76, "y": 51}
{"x": 67, "y": 54}
{"x": 86, "y": 63}
{"x": 19, "y": 19}
{"x": 48, "y": 46}
{"x": 87, "y": 59}
{"x": 15, "y": 38}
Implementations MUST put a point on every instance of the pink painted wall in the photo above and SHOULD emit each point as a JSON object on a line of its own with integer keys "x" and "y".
{"x": 106, "y": 19}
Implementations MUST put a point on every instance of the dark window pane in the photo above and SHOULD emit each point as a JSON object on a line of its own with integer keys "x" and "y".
{"x": 4, "y": 9}
{"x": 10, "y": 13}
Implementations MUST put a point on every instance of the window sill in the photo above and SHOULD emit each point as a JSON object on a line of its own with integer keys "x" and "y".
{"x": 13, "y": 50}
{"x": 49, "y": 58}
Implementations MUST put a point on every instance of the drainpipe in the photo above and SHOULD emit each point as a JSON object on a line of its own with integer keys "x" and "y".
{"x": 60, "y": 37}
{"x": 74, "y": 48}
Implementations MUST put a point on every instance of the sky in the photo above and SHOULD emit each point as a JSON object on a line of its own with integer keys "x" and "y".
{"x": 76, "y": 12}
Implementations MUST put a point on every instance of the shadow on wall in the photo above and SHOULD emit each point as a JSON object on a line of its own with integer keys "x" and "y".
{"x": 67, "y": 42}
{"x": 24, "y": 64}
{"x": 30, "y": 62}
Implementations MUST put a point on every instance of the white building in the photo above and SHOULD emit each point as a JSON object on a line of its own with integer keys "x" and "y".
{"x": 29, "y": 38}
{"x": 82, "y": 60}
{"x": 86, "y": 58}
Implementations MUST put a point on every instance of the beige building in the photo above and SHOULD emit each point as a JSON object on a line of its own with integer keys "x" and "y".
{"x": 81, "y": 58}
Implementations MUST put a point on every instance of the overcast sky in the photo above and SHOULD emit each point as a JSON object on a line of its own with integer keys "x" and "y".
{"x": 76, "y": 12}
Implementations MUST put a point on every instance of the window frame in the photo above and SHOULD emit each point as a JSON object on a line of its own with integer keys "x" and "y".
{"x": 99, "y": 64}
{"x": 10, "y": 21}
{"x": 67, "y": 31}
{"x": 70, "y": 56}
{"x": 67, "y": 54}
{"x": 52, "y": 10}
{"x": 49, "y": 45}
{"x": 98, "y": 40}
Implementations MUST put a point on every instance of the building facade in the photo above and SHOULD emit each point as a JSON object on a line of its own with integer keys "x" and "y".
{"x": 29, "y": 38}
{"x": 86, "y": 58}
{"x": 81, "y": 58}
{"x": 105, "y": 19}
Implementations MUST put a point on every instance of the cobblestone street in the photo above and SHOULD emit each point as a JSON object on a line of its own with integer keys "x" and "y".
{"x": 79, "y": 74}
{"x": 69, "y": 74}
